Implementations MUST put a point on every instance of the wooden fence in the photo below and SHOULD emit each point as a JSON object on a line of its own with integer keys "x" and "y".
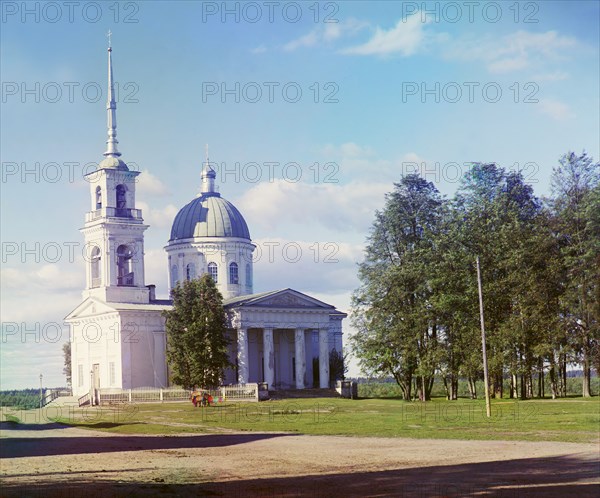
{"x": 232, "y": 393}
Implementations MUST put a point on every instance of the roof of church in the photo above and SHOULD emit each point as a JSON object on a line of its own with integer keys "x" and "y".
{"x": 209, "y": 216}
{"x": 255, "y": 299}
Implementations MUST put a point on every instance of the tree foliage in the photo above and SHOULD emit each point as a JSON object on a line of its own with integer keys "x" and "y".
{"x": 196, "y": 334}
{"x": 416, "y": 310}
{"x": 67, "y": 361}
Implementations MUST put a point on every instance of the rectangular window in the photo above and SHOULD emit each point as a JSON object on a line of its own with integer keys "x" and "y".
{"x": 111, "y": 370}
{"x": 80, "y": 375}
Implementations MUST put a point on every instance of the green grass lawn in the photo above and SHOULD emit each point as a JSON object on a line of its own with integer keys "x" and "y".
{"x": 571, "y": 420}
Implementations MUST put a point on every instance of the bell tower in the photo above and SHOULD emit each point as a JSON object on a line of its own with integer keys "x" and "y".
{"x": 114, "y": 228}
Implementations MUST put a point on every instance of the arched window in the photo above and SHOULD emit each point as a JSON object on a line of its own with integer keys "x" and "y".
{"x": 233, "y": 273}
{"x": 174, "y": 276}
{"x": 95, "y": 260}
{"x": 121, "y": 196}
{"x": 190, "y": 271}
{"x": 213, "y": 271}
{"x": 98, "y": 198}
{"x": 124, "y": 265}
{"x": 248, "y": 276}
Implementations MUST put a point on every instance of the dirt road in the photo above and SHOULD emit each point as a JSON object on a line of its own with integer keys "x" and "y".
{"x": 58, "y": 461}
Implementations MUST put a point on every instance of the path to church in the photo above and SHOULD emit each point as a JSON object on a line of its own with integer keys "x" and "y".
{"x": 56, "y": 461}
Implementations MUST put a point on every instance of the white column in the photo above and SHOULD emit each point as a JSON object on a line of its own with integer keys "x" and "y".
{"x": 109, "y": 274}
{"x": 323, "y": 358}
{"x": 269, "y": 356}
{"x": 242, "y": 355}
{"x": 300, "y": 358}
{"x": 181, "y": 266}
{"x": 140, "y": 278}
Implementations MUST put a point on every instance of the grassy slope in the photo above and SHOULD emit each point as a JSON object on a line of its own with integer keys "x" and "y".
{"x": 572, "y": 420}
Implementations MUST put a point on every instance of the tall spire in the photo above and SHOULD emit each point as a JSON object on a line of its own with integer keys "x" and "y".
{"x": 208, "y": 176}
{"x": 111, "y": 108}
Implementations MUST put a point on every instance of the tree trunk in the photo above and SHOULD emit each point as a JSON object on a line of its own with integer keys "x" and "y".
{"x": 446, "y": 387}
{"x": 564, "y": 376}
{"x": 529, "y": 384}
{"x": 454, "y": 387}
{"x": 405, "y": 383}
{"x": 523, "y": 387}
{"x": 553, "y": 380}
{"x": 514, "y": 386}
{"x": 499, "y": 388}
{"x": 472, "y": 388}
{"x": 540, "y": 378}
{"x": 429, "y": 386}
{"x": 586, "y": 391}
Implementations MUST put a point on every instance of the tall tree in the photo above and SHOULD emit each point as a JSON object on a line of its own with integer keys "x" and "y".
{"x": 574, "y": 202}
{"x": 397, "y": 331}
{"x": 196, "y": 328}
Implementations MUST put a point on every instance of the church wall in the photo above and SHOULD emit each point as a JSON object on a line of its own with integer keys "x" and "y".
{"x": 222, "y": 252}
{"x": 143, "y": 346}
{"x": 95, "y": 341}
{"x": 335, "y": 333}
{"x": 284, "y": 352}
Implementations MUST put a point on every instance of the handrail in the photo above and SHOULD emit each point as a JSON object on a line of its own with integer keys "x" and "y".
{"x": 84, "y": 400}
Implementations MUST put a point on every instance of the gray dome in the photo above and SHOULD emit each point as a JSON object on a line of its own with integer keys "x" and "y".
{"x": 209, "y": 216}
{"x": 111, "y": 162}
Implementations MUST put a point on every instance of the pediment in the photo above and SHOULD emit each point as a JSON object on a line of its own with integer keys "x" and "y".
{"x": 90, "y": 307}
{"x": 287, "y": 298}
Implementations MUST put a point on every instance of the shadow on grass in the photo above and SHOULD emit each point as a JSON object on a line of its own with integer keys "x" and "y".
{"x": 531, "y": 477}
{"x": 20, "y": 426}
{"x": 15, "y": 447}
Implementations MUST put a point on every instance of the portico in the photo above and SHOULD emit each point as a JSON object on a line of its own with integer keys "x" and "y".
{"x": 276, "y": 335}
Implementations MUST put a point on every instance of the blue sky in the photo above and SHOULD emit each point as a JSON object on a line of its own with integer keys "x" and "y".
{"x": 389, "y": 88}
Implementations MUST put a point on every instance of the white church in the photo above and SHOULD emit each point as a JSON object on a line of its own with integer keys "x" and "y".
{"x": 118, "y": 332}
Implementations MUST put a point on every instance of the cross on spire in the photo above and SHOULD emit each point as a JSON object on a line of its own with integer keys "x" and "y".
{"x": 208, "y": 176}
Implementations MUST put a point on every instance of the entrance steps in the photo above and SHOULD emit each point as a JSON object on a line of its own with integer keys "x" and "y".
{"x": 303, "y": 393}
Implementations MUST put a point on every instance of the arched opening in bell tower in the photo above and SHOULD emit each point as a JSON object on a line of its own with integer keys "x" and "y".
{"x": 124, "y": 266}
{"x": 121, "y": 200}
{"x": 95, "y": 261}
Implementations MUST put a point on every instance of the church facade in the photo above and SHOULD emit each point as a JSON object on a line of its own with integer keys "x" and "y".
{"x": 118, "y": 340}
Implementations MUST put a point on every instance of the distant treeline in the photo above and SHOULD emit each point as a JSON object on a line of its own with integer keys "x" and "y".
{"x": 23, "y": 399}
{"x": 390, "y": 389}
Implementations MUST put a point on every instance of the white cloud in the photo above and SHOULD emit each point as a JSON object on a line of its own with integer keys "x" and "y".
{"x": 156, "y": 269}
{"x": 405, "y": 38}
{"x": 308, "y": 40}
{"x": 261, "y": 49}
{"x": 45, "y": 277}
{"x": 516, "y": 51}
{"x": 555, "y": 76}
{"x": 158, "y": 217}
{"x": 306, "y": 265}
{"x": 555, "y": 109}
{"x": 148, "y": 184}
{"x": 338, "y": 207}
{"x": 326, "y": 33}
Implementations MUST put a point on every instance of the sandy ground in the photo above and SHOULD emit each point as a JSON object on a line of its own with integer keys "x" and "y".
{"x": 58, "y": 461}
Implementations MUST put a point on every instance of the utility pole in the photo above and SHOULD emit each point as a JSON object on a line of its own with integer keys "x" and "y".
{"x": 40, "y": 391}
{"x": 488, "y": 409}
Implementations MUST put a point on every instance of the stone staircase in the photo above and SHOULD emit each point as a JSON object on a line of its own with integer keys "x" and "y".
{"x": 64, "y": 401}
{"x": 303, "y": 393}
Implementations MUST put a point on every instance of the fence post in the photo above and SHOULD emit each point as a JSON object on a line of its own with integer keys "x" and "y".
{"x": 130, "y": 395}
{"x": 161, "y": 395}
